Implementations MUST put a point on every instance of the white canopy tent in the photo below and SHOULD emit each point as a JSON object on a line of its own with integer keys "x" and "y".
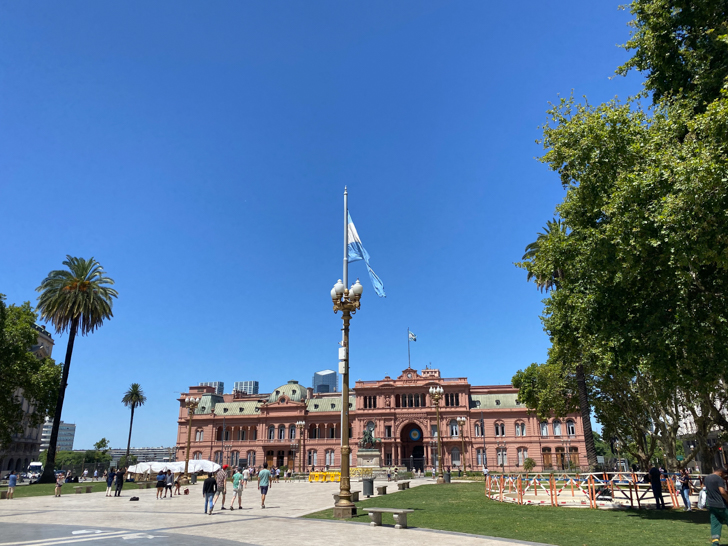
{"x": 195, "y": 465}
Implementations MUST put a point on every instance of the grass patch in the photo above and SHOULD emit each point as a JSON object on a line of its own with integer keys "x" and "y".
{"x": 41, "y": 489}
{"x": 462, "y": 507}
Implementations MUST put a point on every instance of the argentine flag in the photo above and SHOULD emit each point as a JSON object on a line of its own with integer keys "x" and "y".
{"x": 357, "y": 252}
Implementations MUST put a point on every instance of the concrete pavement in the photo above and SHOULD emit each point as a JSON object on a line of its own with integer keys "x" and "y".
{"x": 101, "y": 520}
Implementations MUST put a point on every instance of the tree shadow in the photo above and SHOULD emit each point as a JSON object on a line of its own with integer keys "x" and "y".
{"x": 699, "y": 517}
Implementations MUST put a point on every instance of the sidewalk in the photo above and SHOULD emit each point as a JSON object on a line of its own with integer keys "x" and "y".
{"x": 183, "y": 515}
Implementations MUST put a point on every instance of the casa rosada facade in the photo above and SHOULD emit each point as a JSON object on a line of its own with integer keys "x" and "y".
{"x": 294, "y": 427}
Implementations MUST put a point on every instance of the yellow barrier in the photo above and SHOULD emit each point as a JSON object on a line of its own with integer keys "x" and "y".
{"x": 324, "y": 477}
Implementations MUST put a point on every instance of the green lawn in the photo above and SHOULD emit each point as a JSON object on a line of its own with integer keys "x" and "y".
{"x": 462, "y": 507}
{"x": 40, "y": 489}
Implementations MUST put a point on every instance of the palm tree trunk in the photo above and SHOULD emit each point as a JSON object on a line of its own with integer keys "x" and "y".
{"x": 49, "y": 474}
{"x": 128, "y": 444}
{"x": 591, "y": 452}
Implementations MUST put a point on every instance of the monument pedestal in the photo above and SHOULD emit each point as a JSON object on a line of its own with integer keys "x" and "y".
{"x": 370, "y": 458}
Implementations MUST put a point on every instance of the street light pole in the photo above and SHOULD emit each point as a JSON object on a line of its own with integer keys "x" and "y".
{"x": 436, "y": 395}
{"x": 348, "y": 302}
{"x": 191, "y": 404}
{"x": 300, "y": 425}
{"x": 461, "y": 426}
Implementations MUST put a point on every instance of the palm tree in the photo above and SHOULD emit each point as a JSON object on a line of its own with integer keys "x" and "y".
{"x": 77, "y": 300}
{"x": 551, "y": 281}
{"x": 133, "y": 398}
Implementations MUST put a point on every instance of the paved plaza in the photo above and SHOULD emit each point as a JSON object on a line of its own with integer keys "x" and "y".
{"x": 180, "y": 521}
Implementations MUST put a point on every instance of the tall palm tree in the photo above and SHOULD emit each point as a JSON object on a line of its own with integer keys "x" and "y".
{"x": 76, "y": 300}
{"x": 551, "y": 281}
{"x": 133, "y": 398}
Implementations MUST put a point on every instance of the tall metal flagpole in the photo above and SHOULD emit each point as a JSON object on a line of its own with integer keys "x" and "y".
{"x": 344, "y": 341}
{"x": 409, "y": 365}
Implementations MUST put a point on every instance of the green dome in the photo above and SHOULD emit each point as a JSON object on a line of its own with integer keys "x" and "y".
{"x": 292, "y": 390}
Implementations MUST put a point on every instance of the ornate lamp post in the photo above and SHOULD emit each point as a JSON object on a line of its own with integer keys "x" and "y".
{"x": 300, "y": 426}
{"x": 436, "y": 396}
{"x": 346, "y": 301}
{"x": 191, "y": 404}
{"x": 461, "y": 428}
{"x": 501, "y": 451}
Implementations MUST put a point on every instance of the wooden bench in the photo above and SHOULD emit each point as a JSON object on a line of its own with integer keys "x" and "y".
{"x": 354, "y": 496}
{"x": 401, "y": 486}
{"x": 399, "y": 515}
{"x": 381, "y": 490}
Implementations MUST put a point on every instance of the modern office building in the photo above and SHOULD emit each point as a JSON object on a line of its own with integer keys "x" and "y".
{"x": 498, "y": 431}
{"x": 25, "y": 447}
{"x": 66, "y": 435}
{"x": 325, "y": 381}
{"x": 144, "y": 454}
{"x": 219, "y": 386}
{"x": 248, "y": 387}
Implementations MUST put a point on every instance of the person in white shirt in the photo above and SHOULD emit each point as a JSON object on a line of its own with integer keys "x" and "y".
{"x": 246, "y": 477}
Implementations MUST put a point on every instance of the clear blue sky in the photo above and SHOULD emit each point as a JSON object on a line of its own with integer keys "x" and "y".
{"x": 199, "y": 152}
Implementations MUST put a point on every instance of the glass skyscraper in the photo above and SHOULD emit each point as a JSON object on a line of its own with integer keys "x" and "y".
{"x": 325, "y": 381}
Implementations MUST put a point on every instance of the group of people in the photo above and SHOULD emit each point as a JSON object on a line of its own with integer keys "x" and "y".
{"x": 166, "y": 482}
{"x": 215, "y": 486}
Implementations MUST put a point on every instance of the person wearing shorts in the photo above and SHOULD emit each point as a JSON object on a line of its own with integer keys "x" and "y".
{"x": 263, "y": 483}
{"x": 161, "y": 482}
{"x": 221, "y": 478}
{"x": 168, "y": 484}
{"x": 59, "y": 484}
{"x": 12, "y": 482}
{"x": 246, "y": 477}
{"x": 237, "y": 490}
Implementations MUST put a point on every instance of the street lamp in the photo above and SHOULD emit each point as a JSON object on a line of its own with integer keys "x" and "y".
{"x": 461, "y": 427}
{"x": 299, "y": 426}
{"x": 348, "y": 302}
{"x": 191, "y": 404}
{"x": 436, "y": 396}
{"x": 501, "y": 451}
{"x": 566, "y": 443}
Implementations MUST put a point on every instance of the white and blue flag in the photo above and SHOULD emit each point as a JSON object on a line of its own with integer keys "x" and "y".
{"x": 357, "y": 252}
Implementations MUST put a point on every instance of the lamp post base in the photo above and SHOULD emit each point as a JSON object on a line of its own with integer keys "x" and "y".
{"x": 345, "y": 512}
{"x": 440, "y": 479}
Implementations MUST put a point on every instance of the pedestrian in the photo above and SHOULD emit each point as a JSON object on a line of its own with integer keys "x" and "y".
{"x": 168, "y": 484}
{"x": 278, "y": 474}
{"x": 96, "y": 474}
{"x": 221, "y": 478}
{"x": 237, "y": 490}
{"x": 389, "y": 474}
{"x": 209, "y": 487}
{"x": 395, "y": 474}
{"x": 161, "y": 482}
{"x": 717, "y": 499}
{"x": 177, "y": 484}
{"x": 12, "y": 483}
{"x": 246, "y": 477}
{"x": 85, "y": 475}
{"x": 656, "y": 483}
{"x": 119, "y": 481}
{"x": 109, "y": 482}
{"x": 485, "y": 472}
{"x": 59, "y": 484}
{"x": 684, "y": 482}
{"x": 263, "y": 483}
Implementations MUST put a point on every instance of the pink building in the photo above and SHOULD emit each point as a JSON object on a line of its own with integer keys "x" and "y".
{"x": 498, "y": 431}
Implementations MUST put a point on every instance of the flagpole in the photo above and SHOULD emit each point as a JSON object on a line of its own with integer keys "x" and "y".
{"x": 409, "y": 364}
{"x": 344, "y": 340}
{"x": 346, "y": 239}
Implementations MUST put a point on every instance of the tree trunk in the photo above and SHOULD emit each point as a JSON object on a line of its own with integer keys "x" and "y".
{"x": 49, "y": 473}
{"x": 591, "y": 451}
{"x": 128, "y": 443}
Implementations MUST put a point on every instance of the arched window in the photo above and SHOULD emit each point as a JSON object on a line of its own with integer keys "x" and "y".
{"x": 228, "y": 434}
{"x": 557, "y": 428}
{"x": 271, "y": 432}
{"x": 330, "y": 457}
{"x": 396, "y": 400}
{"x": 477, "y": 430}
{"x": 500, "y": 429}
{"x": 422, "y": 400}
{"x": 570, "y": 428}
{"x": 522, "y": 455}
{"x": 522, "y": 428}
{"x": 199, "y": 435}
{"x": 218, "y": 434}
{"x": 234, "y": 458}
{"x": 453, "y": 428}
{"x": 544, "y": 429}
{"x": 197, "y": 455}
{"x": 455, "y": 455}
{"x": 479, "y": 459}
{"x": 242, "y": 434}
{"x": 218, "y": 457}
{"x": 292, "y": 432}
{"x": 282, "y": 432}
{"x": 251, "y": 458}
{"x": 312, "y": 457}
{"x": 501, "y": 456}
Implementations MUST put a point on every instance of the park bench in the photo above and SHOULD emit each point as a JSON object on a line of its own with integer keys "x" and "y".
{"x": 354, "y": 496}
{"x": 401, "y": 486}
{"x": 83, "y": 488}
{"x": 399, "y": 515}
{"x": 381, "y": 490}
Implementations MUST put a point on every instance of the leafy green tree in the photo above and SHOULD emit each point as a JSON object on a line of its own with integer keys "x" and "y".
{"x": 529, "y": 464}
{"x": 21, "y": 372}
{"x": 133, "y": 398}
{"x": 77, "y": 301}
{"x": 102, "y": 445}
{"x": 681, "y": 46}
{"x": 127, "y": 461}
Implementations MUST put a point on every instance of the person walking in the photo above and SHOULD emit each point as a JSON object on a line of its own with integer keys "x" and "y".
{"x": 168, "y": 484}
{"x": 656, "y": 483}
{"x": 237, "y": 490}
{"x": 246, "y": 477}
{"x": 161, "y": 482}
{"x": 85, "y": 475}
{"x": 209, "y": 488}
{"x": 109, "y": 481}
{"x": 716, "y": 502}
{"x": 59, "y": 484}
{"x": 684, "y": 482}
{"x": 12, "y": 483}
{"x": 96, "y": 474}
{"x": 221, "y": 478}
{"x": 263, "y": 483}
{"x": 177, "y": 484}
{"x": 119, "y": 481}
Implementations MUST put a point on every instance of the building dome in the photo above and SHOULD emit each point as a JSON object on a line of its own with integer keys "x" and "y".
{"x": 292, "y": 390}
